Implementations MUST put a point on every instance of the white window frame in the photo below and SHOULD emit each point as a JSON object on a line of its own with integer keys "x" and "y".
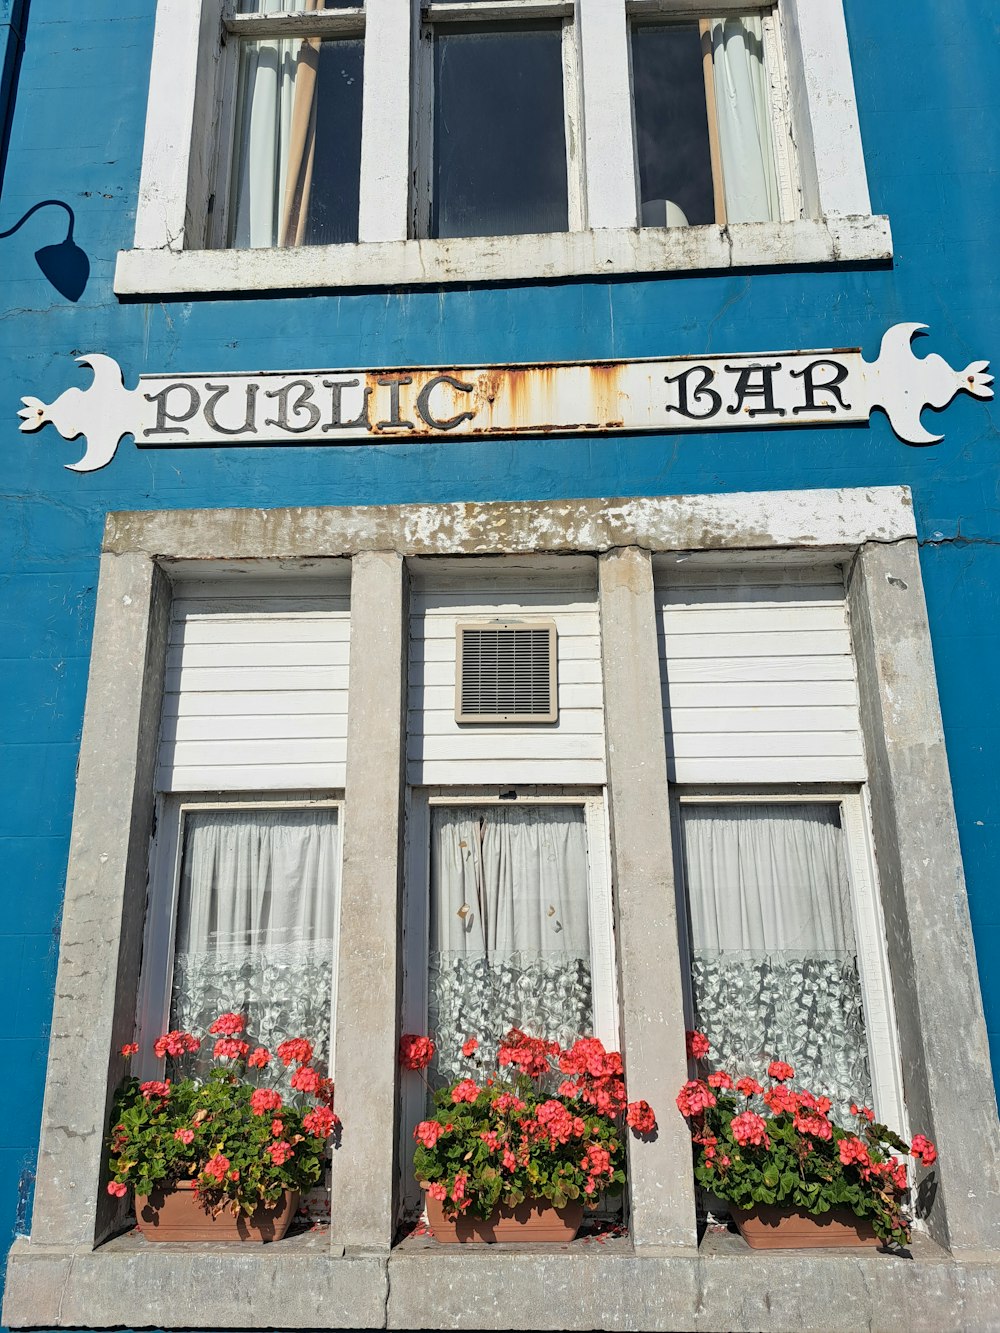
{"x": 153, "y": 1011}
{"x": 645, "y": 14}
{"x": 866, "y": 910}
{"x": 190, "y": 119}
{"x": 516, "y": 15}
{"x": 416, "y": 927}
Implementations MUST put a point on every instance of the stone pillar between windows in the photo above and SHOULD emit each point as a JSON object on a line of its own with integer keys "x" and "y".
{"x": 939, "y": 1009}
{"x": 105, "y": 902}
{"x": 661, "y": 1185}
{"x": 368, "y": 972}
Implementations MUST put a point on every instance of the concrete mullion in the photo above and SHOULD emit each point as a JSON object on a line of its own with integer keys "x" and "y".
{"x": 369, "y": 973}
{"x": 105, "y": 901}
{"x": 661, "y": 1184}
{"x": 939, "y": 1011}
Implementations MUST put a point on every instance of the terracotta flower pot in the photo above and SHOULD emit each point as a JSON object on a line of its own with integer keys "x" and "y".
{"x": 534, "y": 1220}
{"x": 773, "y": 1228}
{"x": 178, "y": 1214}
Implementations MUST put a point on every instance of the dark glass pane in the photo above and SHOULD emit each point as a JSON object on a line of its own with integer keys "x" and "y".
{"x": 499, "y": 136}
{"x": 671, "y": 124}
{"x": 336, "y": 181}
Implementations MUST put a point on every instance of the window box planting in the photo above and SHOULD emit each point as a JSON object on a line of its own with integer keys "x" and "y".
{"x": 774, "y": 1154}
{"x": 543, "y": 1132}
{"x": 240, "y": 1135}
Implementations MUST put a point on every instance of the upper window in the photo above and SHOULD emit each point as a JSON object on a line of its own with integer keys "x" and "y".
{"x": 705, "y": 123}
{"x": 325, "y": 124}
{"x": 499, "y": 136}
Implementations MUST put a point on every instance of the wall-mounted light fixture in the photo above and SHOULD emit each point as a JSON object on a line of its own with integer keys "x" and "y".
{"x": 64, "y": 264}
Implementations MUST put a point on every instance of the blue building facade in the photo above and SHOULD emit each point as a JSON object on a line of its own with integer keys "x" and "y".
{"x": 927, "y": 98}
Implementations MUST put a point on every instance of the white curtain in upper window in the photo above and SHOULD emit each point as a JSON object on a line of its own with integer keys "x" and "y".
{"x": 774, "y": 966}
{"x": 745, "y": 132}
{"x": 255, "y": 922}
{"x": 509, "y": 933}
{"x": 276, "y": 136}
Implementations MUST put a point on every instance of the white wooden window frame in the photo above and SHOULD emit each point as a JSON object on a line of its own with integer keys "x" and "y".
{"x": 868, "y": 920}
{"x": 186, "y": 170}
{"x": 517, "y": 15}
{"x": 416, "y": 924}
{"x": 153, "y": 1015}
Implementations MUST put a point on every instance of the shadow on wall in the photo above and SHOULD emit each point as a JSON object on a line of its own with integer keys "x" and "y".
{"x": 64, "y": 264}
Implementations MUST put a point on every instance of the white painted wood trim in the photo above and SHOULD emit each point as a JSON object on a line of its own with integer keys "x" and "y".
{"x": 609, "y": 156}
{"x": 309, "y": 23}
{"x": 187, "y": 151}
{"x": 573, "y": 128}
{"x": 390, "y": 35}
{"x": 154, "y": 272}
{"x": 824, "y": 108}
{"x": 873, "y": 964}
{"x": 183, "y": 34}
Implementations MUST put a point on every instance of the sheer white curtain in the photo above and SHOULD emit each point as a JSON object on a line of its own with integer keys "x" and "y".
{"x": 744, "y": 119}
{"x": 509, "y": 932}
{"x": 774, "y": 963}
{"x": 276, "y": 135}
{"x": 255, "y": 922}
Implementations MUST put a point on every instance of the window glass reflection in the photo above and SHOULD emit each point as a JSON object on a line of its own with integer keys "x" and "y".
{"x": 499, "y": 135}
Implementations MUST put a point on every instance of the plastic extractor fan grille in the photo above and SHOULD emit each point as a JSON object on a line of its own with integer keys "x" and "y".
{"x": 506, "y": 673}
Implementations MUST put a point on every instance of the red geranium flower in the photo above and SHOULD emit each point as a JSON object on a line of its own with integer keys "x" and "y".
{"x": 415, "y": 1052}
{"x": 640, "y": 1117}
{"x": 779, "y": 1071}
{"x": 296, "y": 1050}
{"x": 228, "y": 1025}
{"x": 697, "y": 1045}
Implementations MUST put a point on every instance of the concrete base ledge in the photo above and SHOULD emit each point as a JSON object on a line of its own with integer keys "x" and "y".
{"x": 584, "y": 1287}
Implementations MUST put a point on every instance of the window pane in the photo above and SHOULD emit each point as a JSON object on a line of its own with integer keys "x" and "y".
{"x": 675, "y": 165}
{"x": 774, "y": 967}
{"x": 255, "y": 922}
{"x": 298, "y": 152}
{"x": 509, "y": 927}
{"x": 499, "y": 135}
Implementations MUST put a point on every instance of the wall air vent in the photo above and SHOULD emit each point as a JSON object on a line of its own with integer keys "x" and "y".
{"x": 506, "y": 672}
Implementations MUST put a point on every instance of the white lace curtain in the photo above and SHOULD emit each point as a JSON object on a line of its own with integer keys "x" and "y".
{"x": 276, "y": 135}
{"x": 255, "y": 924}
{"x": 745, "y": 134}
{"x": 509, "y": 933}
{"x": 775, "y": 973}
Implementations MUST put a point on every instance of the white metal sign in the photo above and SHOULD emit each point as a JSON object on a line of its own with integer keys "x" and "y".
{"x": 704, "y": 393}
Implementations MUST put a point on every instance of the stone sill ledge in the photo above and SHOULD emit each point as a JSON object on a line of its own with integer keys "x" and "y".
{"x": 148, "y": 274}
{"x": 302, "y": 1286}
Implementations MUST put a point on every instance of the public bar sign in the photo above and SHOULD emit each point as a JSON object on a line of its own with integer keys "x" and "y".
{"x": 703, "y": 393}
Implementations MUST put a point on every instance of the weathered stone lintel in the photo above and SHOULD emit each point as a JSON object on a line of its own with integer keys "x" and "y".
{"x": 491, "y": 1288}
{"x": 813, "y": 520}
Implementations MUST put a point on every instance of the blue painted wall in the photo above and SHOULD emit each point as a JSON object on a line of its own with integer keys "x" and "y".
{"x": 929, "y": 100}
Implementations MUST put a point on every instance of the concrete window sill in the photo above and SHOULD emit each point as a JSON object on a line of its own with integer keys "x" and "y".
{"x": 302, "y": 1285}
{"x": 533, "y": 258}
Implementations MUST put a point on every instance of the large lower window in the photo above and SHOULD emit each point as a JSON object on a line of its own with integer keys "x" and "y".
{"x": 250, "y": 925}
{"x": 775, "y": 911}
{"x": 509, "y": 926}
